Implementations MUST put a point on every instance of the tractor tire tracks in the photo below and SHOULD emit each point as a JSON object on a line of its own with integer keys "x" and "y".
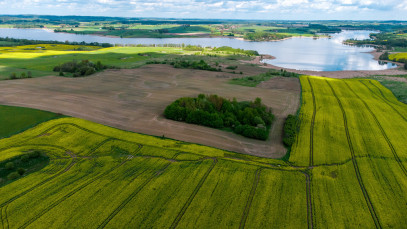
{"x": 396, "y": 157}
{"x": 71, "y": 193}
{"x": 354, "y": 161}
{"x": 132, "y": 195}
{"x": 383, "y": 98}
{"x": 311, "y": 140}
{"x": 250, "y": 199}
{"x": 192, "y": 196}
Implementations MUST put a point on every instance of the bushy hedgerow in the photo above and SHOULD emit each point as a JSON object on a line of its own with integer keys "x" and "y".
{"x": 250, "y": 119}
{"x": 201, "y": 65}
{"x": 290, "y": 130}
{"x": 236, "y": 51}
{"x": 80, "y": 68}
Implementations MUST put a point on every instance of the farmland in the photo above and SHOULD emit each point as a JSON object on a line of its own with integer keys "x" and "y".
{"x": 358, "y": 161}
{"x": 101, "y": 177}
{"x": 40, "y": 59}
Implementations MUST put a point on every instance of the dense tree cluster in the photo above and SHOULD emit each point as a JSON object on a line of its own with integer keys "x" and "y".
{"x": 250, "y": 119}
{"x": 290, "y": 130}
{"x": 201, "y": 65}
{"x": 193, "y": 48}
{"x": 236, "y": 51}
{"x": 81, "y": 68}
{"x": 264, "y": 36}
{"x": 384, "y": 56}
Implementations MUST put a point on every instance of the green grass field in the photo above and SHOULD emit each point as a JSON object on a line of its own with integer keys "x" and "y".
{"x": 347, "y": 168}
{"x": 42, "y": 58}
{"x": 17, "y": 119}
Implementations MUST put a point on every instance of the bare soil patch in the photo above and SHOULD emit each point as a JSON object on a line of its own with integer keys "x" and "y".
{"x": 134, "y": 99}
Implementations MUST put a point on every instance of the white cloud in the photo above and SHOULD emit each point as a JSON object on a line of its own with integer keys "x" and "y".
{"x": 256, "y": 9}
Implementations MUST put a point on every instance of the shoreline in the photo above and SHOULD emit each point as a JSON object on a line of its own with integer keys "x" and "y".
{"x": 333, "y": 74}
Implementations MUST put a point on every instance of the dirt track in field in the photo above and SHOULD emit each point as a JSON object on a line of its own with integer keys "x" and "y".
{"x": 134, "y": 99}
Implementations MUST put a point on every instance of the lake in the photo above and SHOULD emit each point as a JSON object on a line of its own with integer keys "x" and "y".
{"x": 301, "y": 53}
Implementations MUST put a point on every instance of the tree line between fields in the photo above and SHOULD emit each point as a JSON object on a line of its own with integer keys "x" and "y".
{"x": 251, "y": 119}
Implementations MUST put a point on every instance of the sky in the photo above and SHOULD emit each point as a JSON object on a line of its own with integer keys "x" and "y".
{"x": 216, "y": 9}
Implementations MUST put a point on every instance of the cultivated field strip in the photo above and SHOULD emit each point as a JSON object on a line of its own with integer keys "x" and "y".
{"x": 250, "y": 199}
{"x": 355, "y": 165}
{"x": 68, "y": 195}
{"x": 384, "y": 98}
{"x": 130, "y": 197}
{"x": 311, "y": 139}
{"x": 396, "y": 157}
{"x": 192, "y": 196}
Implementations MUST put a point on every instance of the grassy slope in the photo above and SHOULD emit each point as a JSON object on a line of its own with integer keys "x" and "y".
{"x": 101, "y": 176}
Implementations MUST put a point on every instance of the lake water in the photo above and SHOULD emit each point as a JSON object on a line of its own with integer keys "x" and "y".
{"x": 323, "y": 54}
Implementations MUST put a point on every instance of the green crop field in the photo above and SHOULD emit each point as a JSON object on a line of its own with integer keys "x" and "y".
{"x": 351, "y": 138}
{"x": 347, "y": 168}
{"x": 398, "y": 56}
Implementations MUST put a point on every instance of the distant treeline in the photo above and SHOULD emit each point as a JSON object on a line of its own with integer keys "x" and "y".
{"x": 75, "y": 20}
{"x": 382, "y": 39}
{"x": 16, "y": 41}
{"x": 233, "y": 50}
{"x": 264, "y": 36}
{"x": 250, "y": 119}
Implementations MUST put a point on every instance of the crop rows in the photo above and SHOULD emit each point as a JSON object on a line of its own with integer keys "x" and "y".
{"x": 355, "y": 164}
{"x": 117, "y": 179}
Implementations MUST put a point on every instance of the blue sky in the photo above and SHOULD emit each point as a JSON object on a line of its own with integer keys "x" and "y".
{"x": 232, "y": 9}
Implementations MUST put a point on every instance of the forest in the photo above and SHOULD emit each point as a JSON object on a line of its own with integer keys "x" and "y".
{"x": 250, "y": 119}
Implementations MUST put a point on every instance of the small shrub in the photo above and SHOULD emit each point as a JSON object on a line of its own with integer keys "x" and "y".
{"x": 29, "y": 74}
{"x": 34, "y": 154}
{"x": 25, "y": 158}
{"x": 231, "y": 67}
{"x": 23, "y": 75}
{"x": 13, "y": 76}
{"x": 9, "y": 165}
{"x": 384, "y": 56}
{"x": 21, "y": 171}
{"x": 13, "y": 176}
